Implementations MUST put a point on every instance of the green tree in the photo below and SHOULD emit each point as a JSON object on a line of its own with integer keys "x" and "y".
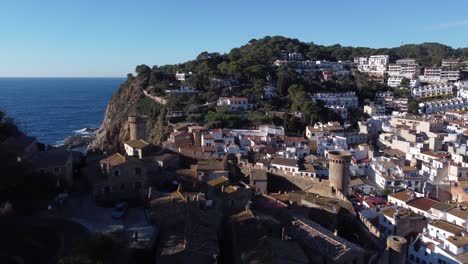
{"x": 413, "y": 107}
{"x": 142, "y": 70}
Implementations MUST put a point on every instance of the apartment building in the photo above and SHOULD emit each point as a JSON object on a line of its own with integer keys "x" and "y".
{"x": 436, "y": 106}
{"x": 404, "y": 70}
{"x": 337, "y": 99}
{"x": 432, "y": 90}
{"x": 374, "y": 65}
{"x": 395, "y": 81}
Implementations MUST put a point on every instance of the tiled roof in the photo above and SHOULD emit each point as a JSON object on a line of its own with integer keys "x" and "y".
{"x": 449, "y": 227}
{"x": 284, "y": 162}
{"x": 458, "y": 241}
{"x": 463, "y": 214}
{"x": 404, "y": 196}
{"x": 422, "y": 203}
{"x": 113, "y": 160}
{"x": 442, "y": 206}
{"x": 390, "y": 212}
{"x": 137, "y": 143}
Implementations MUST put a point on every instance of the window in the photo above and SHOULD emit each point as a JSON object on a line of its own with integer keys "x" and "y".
{"x": 56, "y": 169}
{"x": 122, "y": 187}
{"x": 116, "y": 173}
{"x": 107, "y": 189}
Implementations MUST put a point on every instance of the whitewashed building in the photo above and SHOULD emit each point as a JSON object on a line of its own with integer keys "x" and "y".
{"x": 436, "y": 106}
{"x": 337, "y": 99}
{"x": 432, "y": 90}
{"x": 395, "y": 81}
{"x": 235, "y": 103}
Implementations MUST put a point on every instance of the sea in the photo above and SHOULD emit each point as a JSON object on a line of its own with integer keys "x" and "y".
{"x": 52, "y": 109}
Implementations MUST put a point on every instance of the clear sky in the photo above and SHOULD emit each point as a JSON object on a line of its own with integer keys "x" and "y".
{"x": 110, "y": 37}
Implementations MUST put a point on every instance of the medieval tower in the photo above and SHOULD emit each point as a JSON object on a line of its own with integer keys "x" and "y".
{"x": 339, "y": 162}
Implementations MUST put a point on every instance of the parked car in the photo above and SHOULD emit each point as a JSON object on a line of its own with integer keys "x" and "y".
{"x": 119, "y": 210}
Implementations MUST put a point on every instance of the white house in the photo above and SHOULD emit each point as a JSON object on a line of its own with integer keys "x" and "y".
{"x": 235, "y": 103}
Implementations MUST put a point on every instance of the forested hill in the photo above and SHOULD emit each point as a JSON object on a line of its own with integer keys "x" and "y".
{"x": 250, "y": 66}
{"x": 266, "y": 50}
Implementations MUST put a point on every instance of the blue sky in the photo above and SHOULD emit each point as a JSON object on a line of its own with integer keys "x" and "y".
{"x": 111, "y": 37}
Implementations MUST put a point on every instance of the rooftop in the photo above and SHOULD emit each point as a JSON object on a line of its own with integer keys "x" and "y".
{"x": 449, "y": 227}
{"x": 390, "y": 212}
{"x": 442, "y": 206}
{"x": 460, "y": 213}
{"x": 113, "y": 160}
{"x": 405, "y": 195}
{"x": 210, "y": 165}
{"x": 284, "y": 162}
{"x": 137, "y": 143}
{"x": 458, "y": 241}
{"x": 422, "y": 203}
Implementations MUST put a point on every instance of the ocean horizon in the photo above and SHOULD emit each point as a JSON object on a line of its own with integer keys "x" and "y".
{"x": 53, "y": 108}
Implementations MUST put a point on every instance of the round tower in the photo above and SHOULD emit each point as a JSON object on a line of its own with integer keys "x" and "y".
{"x": 396, "y": 247}
{"x": 137, "y": 125}
{"x": 339, "y": 162}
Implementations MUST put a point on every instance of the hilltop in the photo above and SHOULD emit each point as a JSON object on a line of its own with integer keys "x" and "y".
{"x": 247, "y": 69}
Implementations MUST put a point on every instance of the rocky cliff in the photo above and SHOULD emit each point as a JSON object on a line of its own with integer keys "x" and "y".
{"x": 128, "y": 99}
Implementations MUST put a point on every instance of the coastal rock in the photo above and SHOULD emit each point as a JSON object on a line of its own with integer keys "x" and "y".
{"x": 125, "y": 101}
{"x": 77, "y": 141}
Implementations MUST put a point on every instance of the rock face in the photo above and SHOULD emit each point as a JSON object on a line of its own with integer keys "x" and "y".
{"x": 128, "y": 99}
{"x": 113, "y": 128}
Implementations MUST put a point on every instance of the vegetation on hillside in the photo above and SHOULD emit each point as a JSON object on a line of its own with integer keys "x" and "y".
{"x": 251, "y": 67}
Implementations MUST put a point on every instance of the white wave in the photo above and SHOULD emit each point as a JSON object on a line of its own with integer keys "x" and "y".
{"x": 86, "y": 131}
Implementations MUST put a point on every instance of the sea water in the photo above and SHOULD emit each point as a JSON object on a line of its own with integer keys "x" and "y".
{"x": 53, "y": 108}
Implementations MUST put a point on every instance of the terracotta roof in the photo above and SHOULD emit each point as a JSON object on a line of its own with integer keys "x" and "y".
{"x": 390, "y": 212}
{"x": 284, "y": 162}
{"x": 449, "y": 227}
{"x": 404, "y": 195}
{"x": 113, "y": 160}
{"x": 422, "y": 203}
{"x": 442, "y": 206}
{"x": 458, "y": 241}
{"x": 463, "y": 214}
{"x": 438, "y": 155}
{"x": 209, "y": 165}
{"x": 394, "y": 153}
{"x": 137, "y": 143}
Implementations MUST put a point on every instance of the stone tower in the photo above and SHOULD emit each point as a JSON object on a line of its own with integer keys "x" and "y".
{"x": 137, "y": 125}
{"x": 339, "y": 162}
{"x": 396, "y": 248}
